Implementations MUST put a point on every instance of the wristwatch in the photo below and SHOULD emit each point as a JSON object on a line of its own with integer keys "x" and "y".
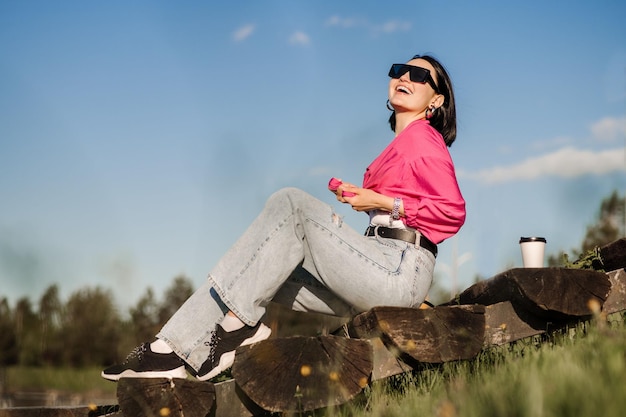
{"x": 395, "y": 211}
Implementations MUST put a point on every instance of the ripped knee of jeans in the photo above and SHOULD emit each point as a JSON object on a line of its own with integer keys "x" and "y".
{"x": 336, "y": 219}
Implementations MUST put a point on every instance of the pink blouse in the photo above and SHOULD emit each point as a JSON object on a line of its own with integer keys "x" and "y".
{"x": 416, "y": 166}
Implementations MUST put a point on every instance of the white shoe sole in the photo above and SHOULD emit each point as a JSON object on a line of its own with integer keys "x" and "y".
{"x": 228, "y": 358}
{"x": 178, "y": 373}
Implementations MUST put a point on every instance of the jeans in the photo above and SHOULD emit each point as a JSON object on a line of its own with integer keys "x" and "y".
{"x": 298, "y": 252}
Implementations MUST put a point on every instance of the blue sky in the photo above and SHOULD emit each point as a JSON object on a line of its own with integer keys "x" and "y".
{"x": 139, "y": 139}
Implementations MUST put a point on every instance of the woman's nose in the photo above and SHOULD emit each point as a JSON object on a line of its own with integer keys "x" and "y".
{"x": 405, "y": 77}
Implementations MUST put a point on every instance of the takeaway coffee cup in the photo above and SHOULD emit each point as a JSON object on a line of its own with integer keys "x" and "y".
{"x": 532, "y": 251}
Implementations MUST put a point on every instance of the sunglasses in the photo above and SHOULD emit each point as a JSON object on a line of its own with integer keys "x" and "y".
{"x": 416, "y": 74}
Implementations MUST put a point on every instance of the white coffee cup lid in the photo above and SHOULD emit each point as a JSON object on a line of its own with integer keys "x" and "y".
{"x": 532, "y": 239}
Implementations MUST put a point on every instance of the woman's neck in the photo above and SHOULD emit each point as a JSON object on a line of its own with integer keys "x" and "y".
{"x": 405, "y": 119}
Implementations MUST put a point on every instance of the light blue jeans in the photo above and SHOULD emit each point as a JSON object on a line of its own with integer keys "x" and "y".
{"x": 299, "y": 253}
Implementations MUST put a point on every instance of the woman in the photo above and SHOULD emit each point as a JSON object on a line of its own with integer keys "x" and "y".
{"x": 298, "y": 252}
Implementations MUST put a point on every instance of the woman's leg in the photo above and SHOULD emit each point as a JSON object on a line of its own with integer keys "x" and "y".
{"x": 297, "y": 230}
{"x": 193, "y": 323}
{"x": 303, "y": 292}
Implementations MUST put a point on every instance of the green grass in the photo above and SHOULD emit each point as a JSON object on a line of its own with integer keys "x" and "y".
{"x": 582, "y": 373}
{"x": 72, "y": 380}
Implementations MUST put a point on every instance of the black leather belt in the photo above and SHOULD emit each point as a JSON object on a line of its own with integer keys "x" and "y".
{"x": 401, "y": 234}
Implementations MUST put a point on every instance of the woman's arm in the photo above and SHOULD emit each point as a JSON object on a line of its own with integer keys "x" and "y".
{"x": 367, "y": 200}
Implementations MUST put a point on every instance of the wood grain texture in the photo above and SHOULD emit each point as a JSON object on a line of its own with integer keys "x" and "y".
{"x": 553, "y": 293}
{"x": 303, "y": 373}
{"x": 613, "y": 255}
{"x": 148, "y": 397}
{"x": 435, "y": 335}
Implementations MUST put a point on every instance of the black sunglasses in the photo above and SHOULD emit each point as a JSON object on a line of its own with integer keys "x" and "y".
{"x": 416, "y": 74}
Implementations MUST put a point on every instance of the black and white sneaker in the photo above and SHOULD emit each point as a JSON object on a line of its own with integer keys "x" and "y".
{"x": 142, "y": 362}
{"x": 223, "y": 345}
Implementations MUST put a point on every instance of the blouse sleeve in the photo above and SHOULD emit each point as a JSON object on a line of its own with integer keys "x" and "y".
{"x": 438, "y": 209}
{"x": 417, "y": 167}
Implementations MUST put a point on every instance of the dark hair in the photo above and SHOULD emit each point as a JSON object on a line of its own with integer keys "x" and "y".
{"x": 444, "y": 118}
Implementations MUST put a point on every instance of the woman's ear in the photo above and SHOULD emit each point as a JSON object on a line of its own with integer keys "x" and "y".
{"x": 438, "y": 101}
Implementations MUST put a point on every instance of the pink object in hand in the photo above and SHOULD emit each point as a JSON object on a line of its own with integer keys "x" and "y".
{"x": 334, "y": 183}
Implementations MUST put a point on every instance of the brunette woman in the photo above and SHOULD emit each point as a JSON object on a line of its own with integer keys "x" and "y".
{"x": 298, "y": 252}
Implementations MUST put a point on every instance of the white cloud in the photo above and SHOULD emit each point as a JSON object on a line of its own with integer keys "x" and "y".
{"x": 344, "y": 22}
{"x": 557, "y": 142}
{"x": 299, "y": 38}
{"x": 243, "y": 33}
{"x": 564, "y": 163}
{"x": 609, "y": 129}
{"x": 393, "y": 26}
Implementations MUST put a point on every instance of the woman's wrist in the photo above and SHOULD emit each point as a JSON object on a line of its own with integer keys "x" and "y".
{"x": 387, "y": 204}
{"x": 395, "y": 210}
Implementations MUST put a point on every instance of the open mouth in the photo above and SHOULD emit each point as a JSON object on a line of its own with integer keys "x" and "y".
{"x": 403, "y": 89}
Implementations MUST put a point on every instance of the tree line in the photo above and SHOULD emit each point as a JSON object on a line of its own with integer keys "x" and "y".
{"x": 89, "y": 330}
{"x": 609, "y": 226}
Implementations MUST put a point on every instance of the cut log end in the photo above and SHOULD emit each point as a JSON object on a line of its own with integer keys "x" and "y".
{"x": 436, "y": 335}
{"x": 147, "y": 397}
{"x": 553, "y": 293}
{"x": 303, "y": 373}
{"x": 614, "y": 255}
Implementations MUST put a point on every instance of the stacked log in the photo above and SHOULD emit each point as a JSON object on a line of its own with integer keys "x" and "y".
{"x": 437, "y": 335}
{"x": 165, "y": 397}
{"x": 297, "y": 374}
{"x": 303, "y": 373}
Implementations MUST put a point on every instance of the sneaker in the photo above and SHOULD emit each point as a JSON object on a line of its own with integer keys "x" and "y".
{"x": 142, "y": 362}
{"x": 223, "y": 345}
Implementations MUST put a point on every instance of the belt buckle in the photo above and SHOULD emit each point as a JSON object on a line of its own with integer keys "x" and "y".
{"x": 418, "y": 239}
{"x": 372, "y": 230}
{"x": 375, "y": 231}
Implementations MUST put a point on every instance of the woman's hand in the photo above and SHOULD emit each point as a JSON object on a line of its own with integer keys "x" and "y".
{"x": 368, "y": 200}
{"x": 363, "y": 199}
{"x": 343, "y": 187}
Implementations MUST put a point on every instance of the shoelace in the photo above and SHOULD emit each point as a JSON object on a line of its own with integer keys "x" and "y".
{"x": 212, "y": 344}
{"x": 137, "y": 352}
